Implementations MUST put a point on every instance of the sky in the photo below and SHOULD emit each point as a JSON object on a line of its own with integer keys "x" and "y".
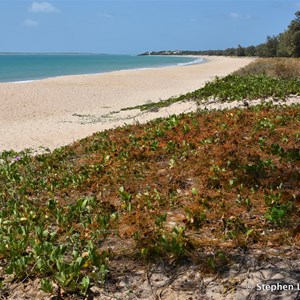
{"x": 136, "y": 26}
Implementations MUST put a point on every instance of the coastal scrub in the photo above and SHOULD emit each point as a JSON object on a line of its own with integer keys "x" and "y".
{"x": 207, "y": 180}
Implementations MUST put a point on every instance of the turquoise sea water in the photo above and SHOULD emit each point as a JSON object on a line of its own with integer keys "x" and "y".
{"x": 26, "y": 67}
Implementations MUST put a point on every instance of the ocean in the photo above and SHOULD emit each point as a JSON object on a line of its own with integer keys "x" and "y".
{"x": 27, "y": 67}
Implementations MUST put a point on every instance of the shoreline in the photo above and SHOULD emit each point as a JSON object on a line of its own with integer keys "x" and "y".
{"x": 52, "y": 112}
{"x": 108, "y": 72}
{"x": 111, "y": 71}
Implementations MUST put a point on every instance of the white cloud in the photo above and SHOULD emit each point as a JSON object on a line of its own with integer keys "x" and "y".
{"x": 30, "y": 23}
{"x": 44, "y": 7}
{"x": 235, "y": 16}
{"x": 104, "y": 15}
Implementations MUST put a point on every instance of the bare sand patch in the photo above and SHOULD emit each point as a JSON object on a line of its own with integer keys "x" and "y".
{"x": 49, "y": 112}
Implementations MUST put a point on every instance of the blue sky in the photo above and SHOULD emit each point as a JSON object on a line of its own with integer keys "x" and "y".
{"x": 131, "y": 27}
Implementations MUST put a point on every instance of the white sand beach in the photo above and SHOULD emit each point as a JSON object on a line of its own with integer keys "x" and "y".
{"x": 58, "y": 111}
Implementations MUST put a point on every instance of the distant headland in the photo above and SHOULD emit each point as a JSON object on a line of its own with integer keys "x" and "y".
{"x": 285, "y": 44}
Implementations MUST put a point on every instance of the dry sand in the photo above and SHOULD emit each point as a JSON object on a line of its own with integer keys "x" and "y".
{"x": 58, "y": 111}
{"x": 243, "y": 278}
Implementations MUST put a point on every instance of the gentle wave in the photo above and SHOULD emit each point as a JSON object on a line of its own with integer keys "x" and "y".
{"x": 22, "y": 81}
{"x": 194, "y": 62}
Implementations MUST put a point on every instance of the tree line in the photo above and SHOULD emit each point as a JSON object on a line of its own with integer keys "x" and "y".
{"x": 286, "y": 44}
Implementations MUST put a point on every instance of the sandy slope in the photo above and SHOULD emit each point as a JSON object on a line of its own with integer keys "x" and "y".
{"x": 58, "y": 111}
